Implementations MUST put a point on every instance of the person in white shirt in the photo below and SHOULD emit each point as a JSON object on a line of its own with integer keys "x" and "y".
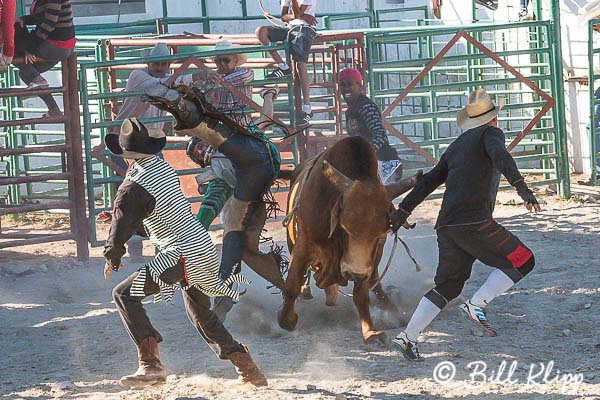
{"x": 299, "y": 33}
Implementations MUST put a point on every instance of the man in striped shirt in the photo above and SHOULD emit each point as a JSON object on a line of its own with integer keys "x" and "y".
{"x": 53, "y": 40}
{"x": 150, "y": 202}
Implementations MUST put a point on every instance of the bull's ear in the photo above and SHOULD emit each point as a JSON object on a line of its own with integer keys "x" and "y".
{"x": 339, "y": 180}
{"x": 334, "y": 220}
{"x": 397, "y": 188}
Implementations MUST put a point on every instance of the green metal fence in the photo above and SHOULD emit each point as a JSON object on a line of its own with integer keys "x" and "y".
{"x": 426, "y": 115}
{"x": 594, "y": 124}
{"x": 97, "y": 101}
{"x": 14, "y": 108}
{"x": 394, "y": 57}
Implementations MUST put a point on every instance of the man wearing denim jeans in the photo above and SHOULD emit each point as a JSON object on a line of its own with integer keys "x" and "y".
{"x": 299, "y": 33}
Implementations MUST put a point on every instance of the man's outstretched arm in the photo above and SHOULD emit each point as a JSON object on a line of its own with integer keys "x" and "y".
{"x": 430, "y": 181}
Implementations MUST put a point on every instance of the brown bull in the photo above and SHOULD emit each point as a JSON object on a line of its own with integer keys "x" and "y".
{"x": 342, "y": 224}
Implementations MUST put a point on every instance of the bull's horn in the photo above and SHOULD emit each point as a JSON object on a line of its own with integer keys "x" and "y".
{"x": 396, "y": 189}
{"x": 339, "y": 180}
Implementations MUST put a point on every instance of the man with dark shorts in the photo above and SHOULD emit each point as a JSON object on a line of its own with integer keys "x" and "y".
{"x": 466, "y": 230}
{"x": 299, "y": 33}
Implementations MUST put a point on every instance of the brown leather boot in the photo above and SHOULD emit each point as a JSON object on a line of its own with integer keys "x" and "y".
{"x": 247, "y": 369}
{"x": 151, "y": 371}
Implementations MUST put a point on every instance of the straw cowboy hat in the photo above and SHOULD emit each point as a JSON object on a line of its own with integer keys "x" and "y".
{"x": 227, "y": 45}
{"x": 480, "y": 110}
{"x": 135, "y": 140}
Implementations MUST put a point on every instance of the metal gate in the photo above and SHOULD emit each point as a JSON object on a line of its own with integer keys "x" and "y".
{"x": 422, "y": 77}
{"x": 22, "y": 148}
{"x": 100, "y": 106}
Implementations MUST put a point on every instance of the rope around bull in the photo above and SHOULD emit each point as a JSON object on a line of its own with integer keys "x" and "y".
{"x": 288, "y": 219}
{"x": 389, "y": 262}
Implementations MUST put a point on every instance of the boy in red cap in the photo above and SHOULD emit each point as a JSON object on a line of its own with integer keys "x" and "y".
{"x": 363, "y": 118}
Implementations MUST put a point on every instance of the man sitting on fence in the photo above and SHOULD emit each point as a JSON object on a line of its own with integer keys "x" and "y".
{"x": 229, "y": 69}
{"x": 52, "y": 40}
{"x": 299, "y": 33}
{"x": 154, "y": 71}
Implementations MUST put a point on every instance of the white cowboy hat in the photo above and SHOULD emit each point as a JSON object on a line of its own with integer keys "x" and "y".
{"x": 480, "y": 109}
{"x": 227, "y": 45}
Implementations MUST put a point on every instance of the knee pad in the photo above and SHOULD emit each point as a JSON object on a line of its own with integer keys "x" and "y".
{"x": 445, "y": 292}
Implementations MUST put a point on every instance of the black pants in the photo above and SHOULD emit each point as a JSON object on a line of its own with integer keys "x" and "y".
{"x": 488, "y": 242}
{"x": 254, "y": 173}
{"x": 51, "y": 53}
{"x": 197, "y": 306}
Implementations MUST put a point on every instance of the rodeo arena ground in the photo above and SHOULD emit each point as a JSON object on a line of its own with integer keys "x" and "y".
{"x": 300, "y": 199}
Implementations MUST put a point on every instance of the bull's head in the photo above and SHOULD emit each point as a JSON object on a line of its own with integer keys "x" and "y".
{"x": 362, "y": 212}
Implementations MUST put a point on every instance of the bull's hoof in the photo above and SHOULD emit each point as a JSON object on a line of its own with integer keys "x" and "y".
{"x": 376, "y": 337}
{"x": 331, "y": 294}
{"x": 306, "y": 293}
{"x": 287, "y": 321}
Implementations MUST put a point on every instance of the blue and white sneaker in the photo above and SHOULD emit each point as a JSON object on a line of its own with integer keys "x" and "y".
{"x": 409, "y": 349}
{"x": 477, "y": 315}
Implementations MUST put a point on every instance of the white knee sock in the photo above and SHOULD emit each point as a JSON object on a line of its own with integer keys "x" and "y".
{"x": 425, "y": 313}
{"x": 496, "y": 284}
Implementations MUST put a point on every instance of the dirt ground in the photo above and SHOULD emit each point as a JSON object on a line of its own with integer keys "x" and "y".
{"x": 57, "y": 323}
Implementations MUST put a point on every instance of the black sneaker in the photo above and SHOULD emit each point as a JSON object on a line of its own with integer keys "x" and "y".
{"x": 409, "y": 349}
{"x": 524, "y": 15}
{"x": 279, "y": 73}
{"x": 304, "y": 118}
{"x": 274, "y": 90}
{"x": 477, "y": 315}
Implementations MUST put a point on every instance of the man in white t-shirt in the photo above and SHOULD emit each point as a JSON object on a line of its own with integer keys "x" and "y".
{"x": 299, "y": 33}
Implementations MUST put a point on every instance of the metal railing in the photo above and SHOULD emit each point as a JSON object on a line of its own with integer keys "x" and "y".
{"x": 18, "y": 150}
{"x": 513, "y": 60}
{"x": 101, "y": 104}
{"x": 594, "y": 98}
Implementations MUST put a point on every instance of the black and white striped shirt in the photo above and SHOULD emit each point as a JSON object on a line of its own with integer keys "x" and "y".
{"x": 172, "y": 229}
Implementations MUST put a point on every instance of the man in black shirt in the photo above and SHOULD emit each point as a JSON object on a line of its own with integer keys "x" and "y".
{"x": 466, "y": 230}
